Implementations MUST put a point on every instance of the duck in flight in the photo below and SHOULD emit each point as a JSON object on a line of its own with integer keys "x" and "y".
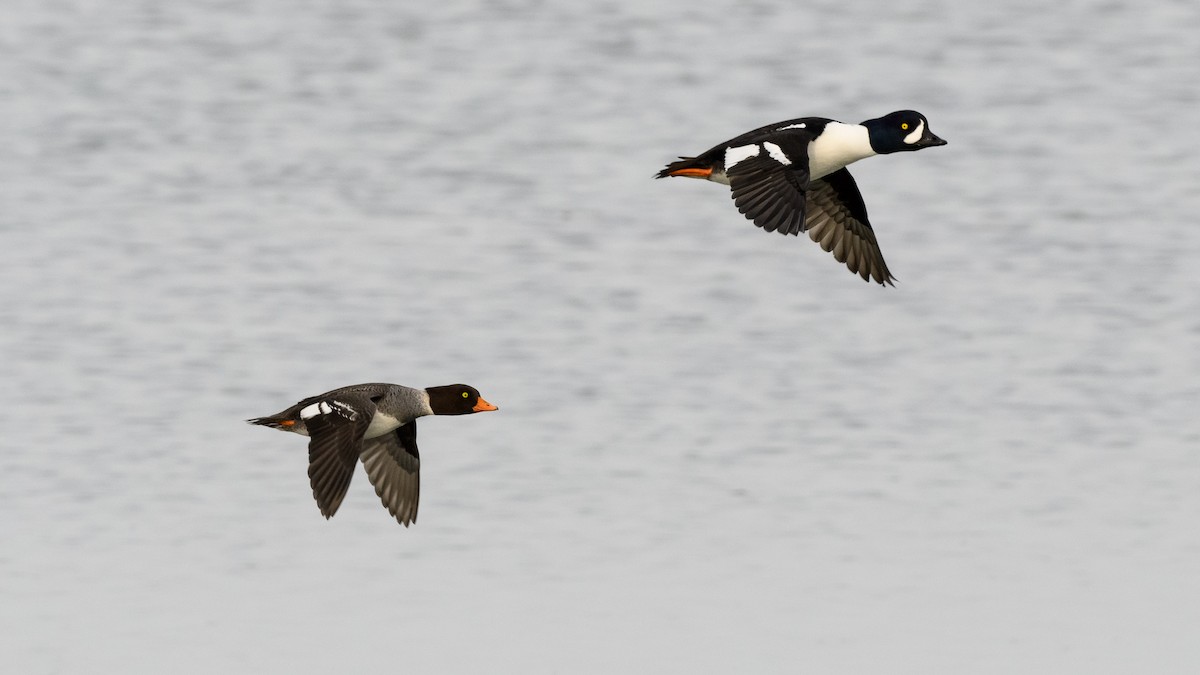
{"x": 377, "y": 424}
{"x": 790, "y": 177}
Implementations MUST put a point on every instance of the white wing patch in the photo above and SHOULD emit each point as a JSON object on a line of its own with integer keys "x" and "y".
{"x": 325, "y": 408}
{"x": 916, "y": 133}
{"x": 776, "y": 153}
{"x": 791, "y": 126}
{"x": 318, "y": 408}
{"x": 740, "y": 154}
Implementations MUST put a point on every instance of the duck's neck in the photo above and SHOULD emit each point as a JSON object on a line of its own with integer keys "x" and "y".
{"x": 838, "y": 145}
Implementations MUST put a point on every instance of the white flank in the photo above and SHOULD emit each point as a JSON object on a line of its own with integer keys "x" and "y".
{"x": 381, "y": 424}
{"x": 740, "y": 154}
{"x": 776, "y": 153}
{"x": 791, "y": 126}
{"x": 916, "y": 134}
{"x": 838, "y": 145}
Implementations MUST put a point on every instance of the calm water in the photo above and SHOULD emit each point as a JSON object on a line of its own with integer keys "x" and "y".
{"x": 717, "y": 450}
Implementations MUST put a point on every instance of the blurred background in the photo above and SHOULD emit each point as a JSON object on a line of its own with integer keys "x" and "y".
{"x": 717, "y": 450}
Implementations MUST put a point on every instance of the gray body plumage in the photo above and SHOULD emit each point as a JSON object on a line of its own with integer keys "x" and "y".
{"x": 373, "y": 422}
{"x": 394, "y": 404}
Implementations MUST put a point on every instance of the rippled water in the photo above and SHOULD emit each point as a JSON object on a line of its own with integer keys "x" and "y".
{"x": 717, "y": 450}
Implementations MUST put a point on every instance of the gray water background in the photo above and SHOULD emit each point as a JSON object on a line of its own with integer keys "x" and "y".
{"x": 716, "y": 451}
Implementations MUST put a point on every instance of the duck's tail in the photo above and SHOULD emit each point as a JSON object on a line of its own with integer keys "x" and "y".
{"x": 689, "y": 167}
{"x": 275, "y": 422}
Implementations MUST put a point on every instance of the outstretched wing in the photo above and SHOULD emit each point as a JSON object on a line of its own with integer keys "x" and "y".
{"x": 768, "y": 180}
{"x": 837, "y": 220}
{"x": 336, "y": 425}
{"x": 394, "y": 467}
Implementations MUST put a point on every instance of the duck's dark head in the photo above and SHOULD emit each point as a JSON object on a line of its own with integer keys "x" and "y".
{"x": 901, "y": 131}
{"x": 457, "y": 399}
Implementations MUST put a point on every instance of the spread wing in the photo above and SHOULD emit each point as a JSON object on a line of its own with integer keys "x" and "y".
{"x": 336, "y": 425}
{"x": 837, "y": 220}
{"x": 768, "y": 186}
{"x": 394, "y": 467}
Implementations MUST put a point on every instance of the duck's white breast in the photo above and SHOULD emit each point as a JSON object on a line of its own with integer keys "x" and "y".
{"x": 838, "y": 145}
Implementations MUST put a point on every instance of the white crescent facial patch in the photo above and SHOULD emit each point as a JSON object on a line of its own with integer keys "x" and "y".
{"x": 916, "y": 133}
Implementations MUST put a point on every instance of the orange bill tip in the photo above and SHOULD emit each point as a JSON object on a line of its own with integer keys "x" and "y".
{"x": 483, "y": 406}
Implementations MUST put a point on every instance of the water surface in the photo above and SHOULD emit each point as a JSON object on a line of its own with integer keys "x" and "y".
{"x": 717, "y": 451}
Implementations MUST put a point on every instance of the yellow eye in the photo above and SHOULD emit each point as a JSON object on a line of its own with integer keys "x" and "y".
{"x": 904, "y": 125}
{"x": 466, "y": 395}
